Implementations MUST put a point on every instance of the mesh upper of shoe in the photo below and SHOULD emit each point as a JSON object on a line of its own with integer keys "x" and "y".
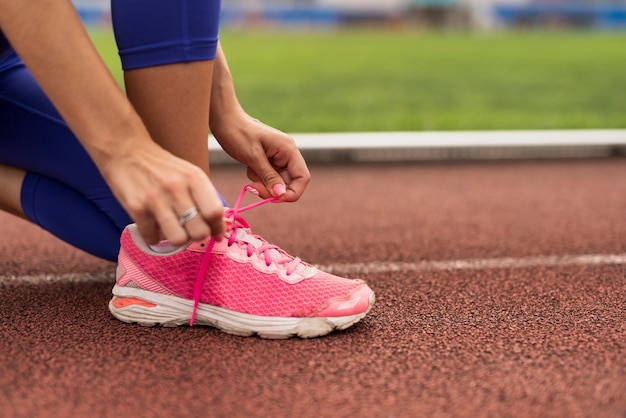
{"x": 233, "y": 278}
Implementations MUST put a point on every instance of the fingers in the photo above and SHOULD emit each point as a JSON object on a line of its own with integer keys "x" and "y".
{"x": 288, "y": 183}
{"x": 208, "y": 220}
{"x": 198, "y": 213}
{"x": 195, "y": 223}
{"x": 211, "y": 210}
{"x": 266, "y": 179}
{"x": 299, "y": 178}
{"x": 149, "y": 229}
{"x": 179, "y": 207}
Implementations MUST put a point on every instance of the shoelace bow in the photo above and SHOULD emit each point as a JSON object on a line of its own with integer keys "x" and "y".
{"x": 234, "y": 222}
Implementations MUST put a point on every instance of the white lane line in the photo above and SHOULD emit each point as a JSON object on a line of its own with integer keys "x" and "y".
{"x": 370, "y": 267}
{"x": 475, "y": 264}
{"x": 59, "y": 278}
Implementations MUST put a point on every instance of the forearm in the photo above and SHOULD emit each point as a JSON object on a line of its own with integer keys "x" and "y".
{"x": 49, "y": 37}
{"x": 224, "y": 103}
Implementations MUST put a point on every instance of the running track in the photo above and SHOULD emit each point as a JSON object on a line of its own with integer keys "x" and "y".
{"x": 501, "y": 292}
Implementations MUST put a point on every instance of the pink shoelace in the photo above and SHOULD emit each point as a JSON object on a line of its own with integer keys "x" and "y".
{"x": 234, "y": 222}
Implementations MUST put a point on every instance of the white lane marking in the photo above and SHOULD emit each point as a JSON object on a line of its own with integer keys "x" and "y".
{"x": 370, "y": 267}
{"x": 60, "y": 278}
{"x": 475, "y": 264}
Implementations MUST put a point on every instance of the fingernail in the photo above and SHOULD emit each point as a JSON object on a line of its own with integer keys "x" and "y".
{"x": 252, "y": 190}
{"x": 279, "y": 189}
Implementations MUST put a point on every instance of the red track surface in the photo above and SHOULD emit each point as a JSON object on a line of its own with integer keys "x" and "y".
{"x": 545, "y": 339}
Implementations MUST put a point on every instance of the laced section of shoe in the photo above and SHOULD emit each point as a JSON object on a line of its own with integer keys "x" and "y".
{"x": 238, "y": 233}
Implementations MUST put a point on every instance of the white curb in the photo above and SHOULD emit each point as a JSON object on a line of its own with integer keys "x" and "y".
{"x": 436, "y": 146}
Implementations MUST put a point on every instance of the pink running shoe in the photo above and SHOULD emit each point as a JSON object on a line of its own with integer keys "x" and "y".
{"x": 242, "y": 285}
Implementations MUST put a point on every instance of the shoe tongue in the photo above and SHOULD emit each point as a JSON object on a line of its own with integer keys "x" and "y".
{"x": 244, "y": 236}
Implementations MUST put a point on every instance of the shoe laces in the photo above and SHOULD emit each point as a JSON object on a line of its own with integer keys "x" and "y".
{"x": 238, "y": 233}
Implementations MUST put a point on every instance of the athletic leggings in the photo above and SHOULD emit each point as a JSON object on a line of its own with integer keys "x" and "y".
{"x": 63, "y": 192}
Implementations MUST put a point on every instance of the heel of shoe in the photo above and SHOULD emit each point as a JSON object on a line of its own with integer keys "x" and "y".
{"x": 148, "y": 308}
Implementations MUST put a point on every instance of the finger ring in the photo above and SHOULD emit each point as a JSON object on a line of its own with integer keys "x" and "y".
{"x": 187, "y": 215}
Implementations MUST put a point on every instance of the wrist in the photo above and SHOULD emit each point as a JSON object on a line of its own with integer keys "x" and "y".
{"x": 126, "y": 137}
{"x": 224, "y": 119}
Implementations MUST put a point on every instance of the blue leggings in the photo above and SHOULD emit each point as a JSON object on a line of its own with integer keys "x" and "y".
{"x": 63, "y": 192}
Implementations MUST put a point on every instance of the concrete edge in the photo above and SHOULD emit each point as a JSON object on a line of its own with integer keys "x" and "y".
{"x": 372, "y": 147}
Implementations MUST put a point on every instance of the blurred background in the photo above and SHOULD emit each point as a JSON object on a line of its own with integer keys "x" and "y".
{"x": 476, "y": 14}
{"x": 418, "y": 65}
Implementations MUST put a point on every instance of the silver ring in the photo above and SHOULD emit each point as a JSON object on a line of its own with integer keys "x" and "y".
{"x": 187, "y": 215}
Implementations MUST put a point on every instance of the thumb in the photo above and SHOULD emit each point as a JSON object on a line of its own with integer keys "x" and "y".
{"x": 266, "y": 177}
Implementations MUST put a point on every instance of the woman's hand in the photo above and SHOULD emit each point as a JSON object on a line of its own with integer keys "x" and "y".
{"x": 275, "y": 165}
{"x": 156, "y": 189}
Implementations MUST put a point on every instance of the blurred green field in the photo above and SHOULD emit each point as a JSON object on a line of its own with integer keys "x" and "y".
{"x": 342, "y": 81}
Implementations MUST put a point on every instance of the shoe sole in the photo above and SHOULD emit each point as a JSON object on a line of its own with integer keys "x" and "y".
{"x": 149, "y": 309}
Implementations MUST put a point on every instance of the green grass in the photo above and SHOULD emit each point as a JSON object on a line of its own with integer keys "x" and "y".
{"x": 391, "y": 81}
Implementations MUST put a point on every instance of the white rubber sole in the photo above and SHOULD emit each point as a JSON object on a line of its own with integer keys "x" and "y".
{"x": 170, "y": 311}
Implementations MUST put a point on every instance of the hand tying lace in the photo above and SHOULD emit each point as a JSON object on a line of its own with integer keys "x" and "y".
{"x": 238, "y": 233}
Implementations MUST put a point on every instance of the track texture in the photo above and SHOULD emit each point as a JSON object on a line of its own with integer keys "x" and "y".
{"x": 544, "y": 341}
